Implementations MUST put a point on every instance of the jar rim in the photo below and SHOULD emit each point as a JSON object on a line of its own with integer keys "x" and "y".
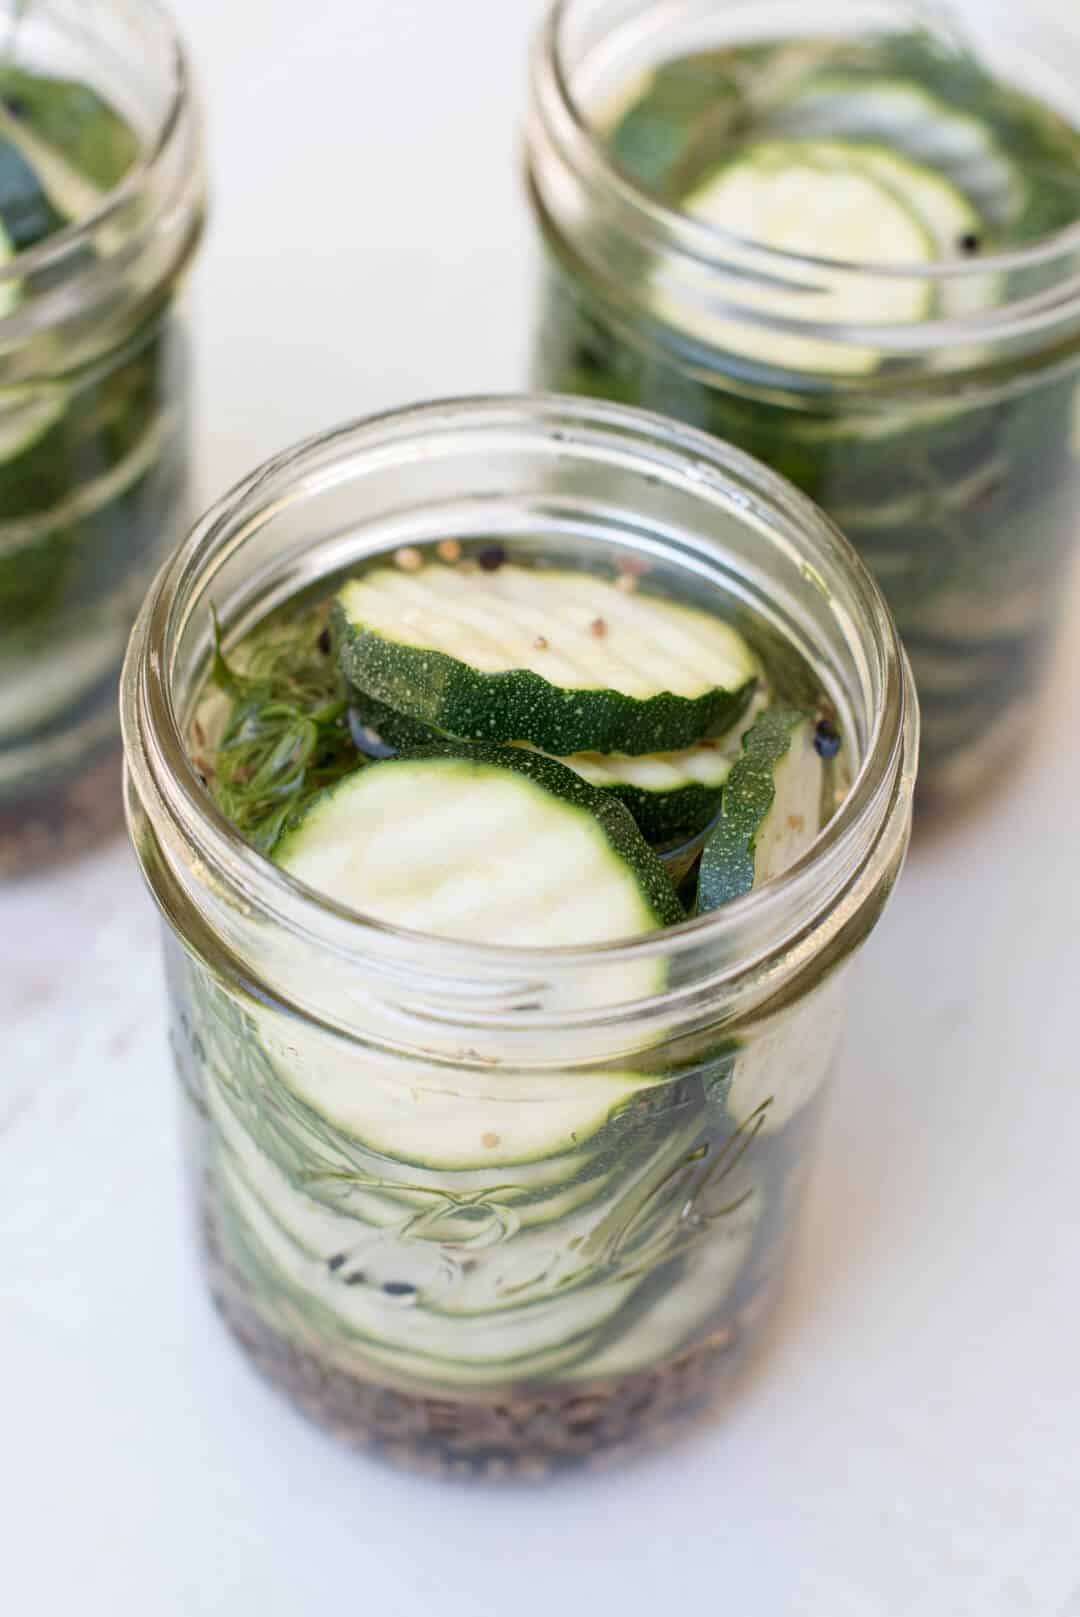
{"x": 698, "y": 244}
{"x": 62, "y": 250}
{"x": 163, "y": 778}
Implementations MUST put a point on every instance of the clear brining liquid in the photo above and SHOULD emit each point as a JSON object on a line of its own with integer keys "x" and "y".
{"x": 476, "y": 1315}
{"x": 1007, "y": 160}
{"x": 92, "y": 483}
{"x": 959, "y": 484}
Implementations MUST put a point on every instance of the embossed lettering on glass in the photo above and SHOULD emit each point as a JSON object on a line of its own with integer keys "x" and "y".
{"x": 495, "y": 1206}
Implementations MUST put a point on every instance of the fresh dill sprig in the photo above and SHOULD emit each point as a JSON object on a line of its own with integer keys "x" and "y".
{"x": 286, "y": 736}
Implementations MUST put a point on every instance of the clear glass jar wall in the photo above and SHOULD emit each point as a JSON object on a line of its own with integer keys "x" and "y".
{"x": 100, "y": 211}
{"x": 514, "y": 1307}
{"x": 931, "y": 407}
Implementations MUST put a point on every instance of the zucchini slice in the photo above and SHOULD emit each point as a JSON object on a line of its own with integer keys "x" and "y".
{"x": 526, "y": 854}
{"x": 809, "y": 198}
{"x": 949, "y": 216}
{"x": 697, "y": 1289}
{"x": 692, "y": 1249}
{"x": 27, "y": 414}
{"x": 666, "y": 792}
{"x": 335, "y": 1168}
{"x": 295, "y": 1309}
{"x": 555, "y": 1255}
{"x": 778, "y": 1071}
{"x": 490, "y": 844}
{"x": 475, "y": 1120}
{"x": 669, "y": 794}
{"x": 389, "y": 1291}
{"x": 912, "y": 121}
{"x": 771, "y": 809}
{"x": 563, "y": 660}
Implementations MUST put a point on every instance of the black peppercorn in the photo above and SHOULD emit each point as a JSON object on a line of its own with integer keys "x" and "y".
{"x": 491, "y": 557}
{"x": 826, "y": 739}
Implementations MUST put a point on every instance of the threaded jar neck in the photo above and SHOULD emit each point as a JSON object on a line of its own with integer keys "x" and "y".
{"x": 79, "y": 292}
{"x": 596, "y": 476}
{"x": 678, "y": 277}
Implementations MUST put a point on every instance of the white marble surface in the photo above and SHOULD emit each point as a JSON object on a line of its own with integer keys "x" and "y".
{"x": 910, "y": 1444}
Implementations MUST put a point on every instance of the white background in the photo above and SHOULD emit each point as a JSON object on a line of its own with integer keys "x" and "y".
{"x": 911, "y": 1442}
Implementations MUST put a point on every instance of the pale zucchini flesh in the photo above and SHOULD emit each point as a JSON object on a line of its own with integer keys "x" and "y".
{"x": 778, "y": 1071}
{"x": 486, "y": 844}
{"x": 666, "y": 792}
{"x": 466, "y": 1120}
{"x": 795, "y": 198}
{"x": 936, "y": 463}
{"x": 698, "y": 1285}
{"x": 436, "y": 1241}
{"x": 563, "y": 660}
{"x": 380, "y": 1303}
{"x": 772, "y": 808}
{"x": 330, "y": 1163}
{"x": 915, "y": 123}
{"x": 495, "y": 845}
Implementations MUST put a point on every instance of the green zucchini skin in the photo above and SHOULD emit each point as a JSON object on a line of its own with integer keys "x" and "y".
{"x": 727, "y": 860}
{"x": 659, "y": 815}
{"x": 520, "y": 705}
{"x": 74, "y": 120}
{"x": 393, "y": 729}
{"x": 960, "y": 491}
{"x": 615, "y": 821}
{"x": 98, "y": 421}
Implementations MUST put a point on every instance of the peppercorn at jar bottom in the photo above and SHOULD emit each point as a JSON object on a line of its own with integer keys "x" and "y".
{"x": 506, "y": 1262}
{"x": 526, "y": 1433}
{"x": 531, "y": 1424}
{"x": 489, "y": 802}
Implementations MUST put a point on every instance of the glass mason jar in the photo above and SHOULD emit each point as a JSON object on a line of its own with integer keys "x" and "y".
{"x": 453, "y": 1315}
{"x": 949, "y": 458}
{"x": 93, "y": 395}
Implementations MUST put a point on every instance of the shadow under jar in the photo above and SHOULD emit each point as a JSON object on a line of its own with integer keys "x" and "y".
{"x": 490, "y": 1209}
{"x": 852, "y": 247}
{"x": 101, "y": 207}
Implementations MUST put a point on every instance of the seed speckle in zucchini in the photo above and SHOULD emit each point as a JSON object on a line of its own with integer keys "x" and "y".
{"x": 566, "y": 661}
{"x": 487, "y": 843}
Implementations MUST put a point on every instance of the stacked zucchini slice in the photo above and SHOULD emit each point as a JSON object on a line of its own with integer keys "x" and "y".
{"x": 958, "y": 483}
{"x": 618, "y": 709}
{"x": 90, "y": 466}
{"x": 529, "y": 739}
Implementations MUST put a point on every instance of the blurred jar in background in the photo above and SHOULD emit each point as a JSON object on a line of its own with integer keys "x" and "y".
{"x": 852, "y": 247}
{"x": 101, "y": 208}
